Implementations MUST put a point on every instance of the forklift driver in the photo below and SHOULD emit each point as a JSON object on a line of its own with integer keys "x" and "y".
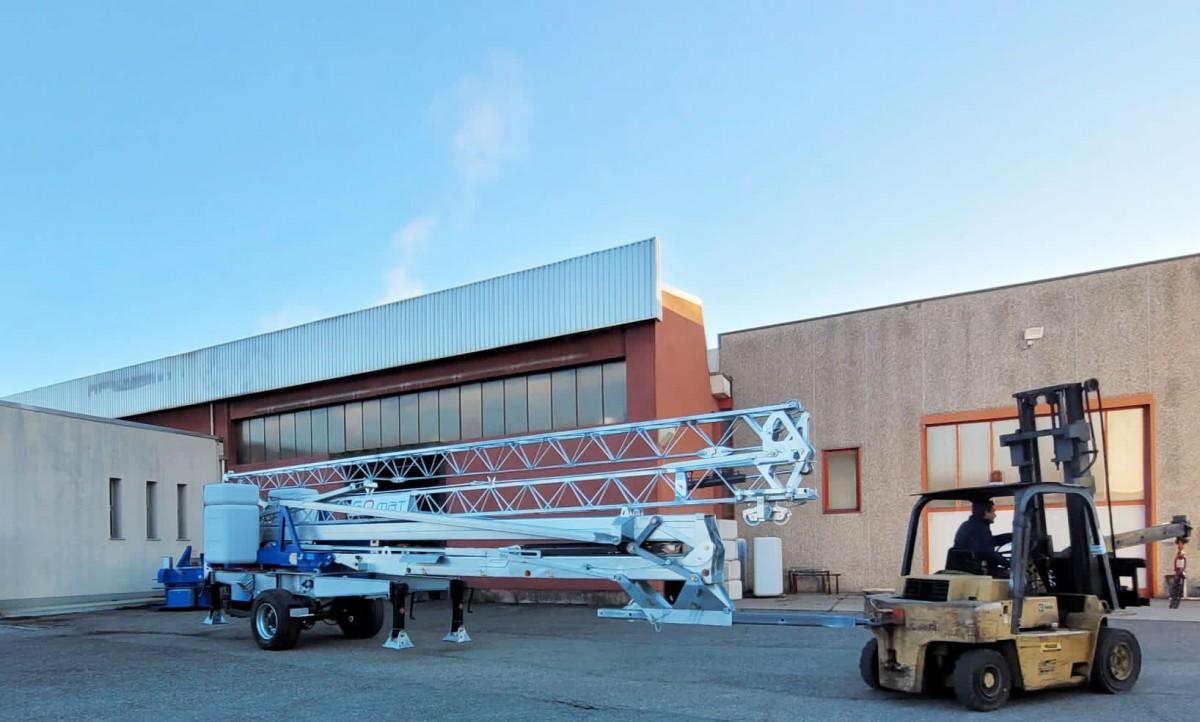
{"x": 975, "y": 535}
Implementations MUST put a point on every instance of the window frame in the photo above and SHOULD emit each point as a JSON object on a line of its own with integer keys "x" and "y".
{"x": 825, "y": 454}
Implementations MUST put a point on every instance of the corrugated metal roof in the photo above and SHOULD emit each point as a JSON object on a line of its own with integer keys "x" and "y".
{"x": 600, "y": 290}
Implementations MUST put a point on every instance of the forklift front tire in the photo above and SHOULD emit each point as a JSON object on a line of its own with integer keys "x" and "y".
{"x": 868, "y": 663}
{"x": 1118, "y": 661}
{"x": 982, "y": 680}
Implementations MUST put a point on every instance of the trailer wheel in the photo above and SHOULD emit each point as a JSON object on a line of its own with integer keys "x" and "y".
{"x": 982, "y": 679}
{"x": 1118, "y": 661}
{"x": 271, "y": 622}
{"x": 359, "y": 618}
{"x": 868, "y": 663}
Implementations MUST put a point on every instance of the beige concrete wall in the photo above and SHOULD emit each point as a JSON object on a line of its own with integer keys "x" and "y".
{"x": 869, "y": 377}
{"x": 54, "y": 517}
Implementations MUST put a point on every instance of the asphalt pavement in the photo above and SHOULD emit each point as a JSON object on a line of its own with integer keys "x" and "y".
{"x": 525, "y": 662}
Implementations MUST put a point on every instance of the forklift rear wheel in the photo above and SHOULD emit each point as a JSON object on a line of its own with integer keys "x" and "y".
{"x": 868, "y": 663}
{"x": 982, "y": 679}
{"x": 271, "y": 621}
{"x": 1118, "y": 661}
{"x": 360, "y": 618}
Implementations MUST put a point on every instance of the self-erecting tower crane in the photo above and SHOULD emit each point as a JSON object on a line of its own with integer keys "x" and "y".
{"x": 629, "y": 503}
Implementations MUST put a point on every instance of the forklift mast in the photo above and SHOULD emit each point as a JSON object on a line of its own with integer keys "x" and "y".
{"x": 1083, "y": 567}
{"x": 1074, "y": 446}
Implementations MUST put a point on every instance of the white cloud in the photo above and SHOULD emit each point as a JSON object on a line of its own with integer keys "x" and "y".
{"x": 408, "y": 244}
{"x": 288, "y": 316}
{"x": 415, "y": 236}
{"x": 493, "y": 121}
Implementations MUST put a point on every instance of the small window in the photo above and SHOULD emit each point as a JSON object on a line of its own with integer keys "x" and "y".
{"x": 409, "y": 419}
{"x": 320, "y": 431}
{"x": 151, "y": 509}
{"x": 287, "y": 436}
{"x": 614, "y": 393}
{"x": 449, "y": 428}
{"x": 337, "y": 429}
{"x": 372, "y": 430}
{"x": 516, "y": 419}
{"x": 428, "y": 411}
{"x": 493, "y": 408}
{"x": 271, "y": 426}
{"x": 472, "y": 416}
{"x": 563, "y": 399}
{"x": 389, "y": 422}
{"x": 354, "y": 426}
{"x": 539, "y": 403}
{"x": 589, "y": 388}
{"x": 842, "y": 489}
{"x": 181, "y": 512}
{"x": 243, "y": 442}
{"x": 114, "y": 508}
{"x": 303, "y": 433}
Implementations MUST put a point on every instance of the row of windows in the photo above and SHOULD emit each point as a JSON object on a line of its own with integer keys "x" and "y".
{"x": 566, "y": 399}
{"x": 970, "y": 454}
{"x": 115, "y": 526}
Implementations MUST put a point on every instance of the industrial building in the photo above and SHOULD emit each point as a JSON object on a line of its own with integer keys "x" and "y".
{"x": 588, "y": 341}
{"x": 914, "y": 397}
{"x": 92, "y": 505}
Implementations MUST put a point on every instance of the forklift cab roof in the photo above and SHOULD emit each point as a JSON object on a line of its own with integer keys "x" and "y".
{"x": 992, "y": 491}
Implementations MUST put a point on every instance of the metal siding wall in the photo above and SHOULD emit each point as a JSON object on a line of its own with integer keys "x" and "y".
{"x": 599, "y": 290}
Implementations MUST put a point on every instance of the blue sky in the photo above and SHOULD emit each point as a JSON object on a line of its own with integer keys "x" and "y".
{"x": 174, "y": 176}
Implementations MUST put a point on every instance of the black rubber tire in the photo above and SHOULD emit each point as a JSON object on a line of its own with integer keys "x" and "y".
{"x": 1118, "y": 661}
{"x": 271, "y": 623}
{"x": 868, "y": 663}
{"x": 359, "y": 618}
{"x": 982, "y": 679}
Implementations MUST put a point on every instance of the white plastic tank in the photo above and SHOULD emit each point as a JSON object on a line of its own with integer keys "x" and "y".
{"x": 767, "y": 556}
{"x": 231, "y": 534}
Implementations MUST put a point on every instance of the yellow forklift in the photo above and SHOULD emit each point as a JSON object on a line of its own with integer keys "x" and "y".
{"x": 1035, "y": 616}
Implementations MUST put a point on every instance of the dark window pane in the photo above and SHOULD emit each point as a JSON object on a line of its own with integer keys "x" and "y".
{"x": 337, "y": 429}
{"x": 493, "y": 408}
{"x": 272, "y": 437}
{"x": 354, "y": 426}
{"x": 590, "y": 393}
{"x": 515, "y": 421}
{"x": 320, "y": 431}
{"x": 539, "y": 403}
{"x": 614, "y": 393}
{"x": 470, "y": 401}
{"x": 448, "y": 415}
{"x": 563, "y": 383}
{"x": 428, "y": 402}
{"x": 303, "y": 433}
{"x": 389, "y": 422}
{"x": 370, "y": 411}
{"x": 287, "y": 436}
{"x": 243, "y": 444}
{"x": 409, "y": 420}
{"x": 258, "y": 444}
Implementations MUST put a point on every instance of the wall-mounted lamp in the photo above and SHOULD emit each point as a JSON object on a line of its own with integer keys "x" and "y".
{"x": 1032, "y": 334}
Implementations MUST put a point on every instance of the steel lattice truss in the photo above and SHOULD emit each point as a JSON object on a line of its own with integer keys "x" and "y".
{"x": 674, "y": 462}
